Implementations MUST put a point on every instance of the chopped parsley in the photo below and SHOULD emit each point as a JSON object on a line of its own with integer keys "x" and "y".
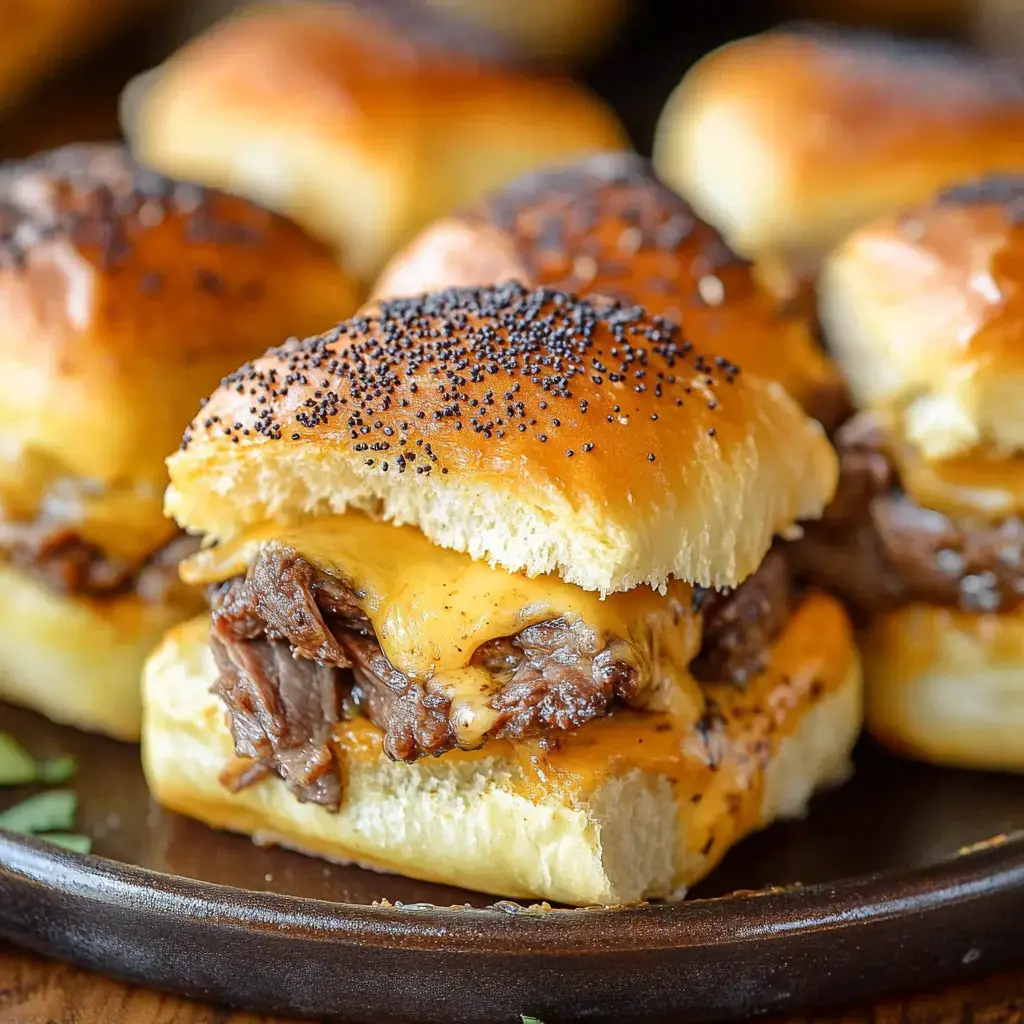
{"x": 16, "y": 766}
{"x": 49, "y": 815}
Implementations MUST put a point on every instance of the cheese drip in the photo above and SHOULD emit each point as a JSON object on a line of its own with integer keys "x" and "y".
{"x": 982, "y": 483}
{"x": 433, "y": 608}
{"x": 717, "y": 769}
{"x": 986, "y": 486}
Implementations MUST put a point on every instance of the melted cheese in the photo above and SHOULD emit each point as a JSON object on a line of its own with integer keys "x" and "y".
{"x": 717, "y": 771}
{"x": 432, "y": 608}
{"x": 988, "y": 487}
{"x": 126, "y": 522}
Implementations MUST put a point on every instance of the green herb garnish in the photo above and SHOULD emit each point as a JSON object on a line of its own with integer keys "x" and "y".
{"x": 52, "y": 811}
{"x": 50, "y": 815}
{"x": 16, "y": 764}
{"x": 530, "y": 1020}
{"x": 57, "y": 769}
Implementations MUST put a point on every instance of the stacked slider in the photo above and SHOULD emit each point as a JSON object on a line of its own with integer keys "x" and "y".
{"x": 494, "y": 602}
{"x": 606, "y": 226}
{"x": 788, "y": 140}
{"x": 924, "y": 313}
{"x": 359, "y": 128}
{"x": 124, "y": 297}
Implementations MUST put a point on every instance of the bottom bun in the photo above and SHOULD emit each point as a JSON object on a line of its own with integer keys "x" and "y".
{"x": 628, "y": 808}
{"x": 77, "y": 660}
{"x": 947, "y": 686}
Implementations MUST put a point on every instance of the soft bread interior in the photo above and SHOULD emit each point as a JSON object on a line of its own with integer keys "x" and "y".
{"x": 921, "y": 313}
{"x": 699, "y": 495}
{"x": 77, "y": 660}
{"x": 476, "y": 820}
{"x": 948, "y": 687}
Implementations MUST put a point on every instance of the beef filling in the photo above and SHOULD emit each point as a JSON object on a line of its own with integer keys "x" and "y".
{"x": 53, "y": 553}
{"x": 878, "y": 549}
{"x": 740, "y": 625}
{"x": 296, "y": 654}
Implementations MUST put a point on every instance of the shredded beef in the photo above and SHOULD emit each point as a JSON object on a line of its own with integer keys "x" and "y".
{"x": 295, "y": 653}
{"x": 829, "y": 404}
{"x": 53, "y": 553}
{"x": 740, "y": 625}
{"x": 550, "y": 675}
{"x": 878, "y": 549}
{"x": 977, "y": 566}
{"x": 61, "y": 559}
{"x": 413, "y": 715}
{"x": 282, "y": 711}
{"x": 559, "y": 680}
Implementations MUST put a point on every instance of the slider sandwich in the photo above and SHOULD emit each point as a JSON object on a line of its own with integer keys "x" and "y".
{"x": 358, "y": 128}
{"x": 606, "y": 226}
{"x": 924, "y": 311}
{"x": 124, "y": 297}
{"x": 494, "y": 602}
{"x": 787, "y": 141}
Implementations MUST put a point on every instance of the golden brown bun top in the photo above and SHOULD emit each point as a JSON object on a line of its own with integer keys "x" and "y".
{"x": 125, "y": 296}
{"x": 926, "y": 314}
{"x": 359, "y": 132}
{"x": 606, "y": 226}
{"x": 860, "y": 97}
{"x": 534, "y": 429}
{"x": 787, "y": 140}
{"x": 933, "y": 75}
{"x": 368, "y": 54}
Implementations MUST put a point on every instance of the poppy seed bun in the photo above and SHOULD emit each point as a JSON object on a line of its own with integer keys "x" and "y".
{"x": 632, "y": 806}
{"x": 788, "y": 140}
{"x": 355, "y": 131}
{"x": 606, "y": 225}
{"x": 532, "y": 430}
{"x": 947, "y": 686}
{"x": 924, "y": 312}
{"x": 125, "y": 296}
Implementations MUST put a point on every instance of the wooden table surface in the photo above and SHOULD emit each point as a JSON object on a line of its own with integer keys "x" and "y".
{"x": 38, "y": 991}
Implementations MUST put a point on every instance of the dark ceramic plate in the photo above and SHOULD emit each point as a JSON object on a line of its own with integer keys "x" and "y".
{"x": 880, "y": 896}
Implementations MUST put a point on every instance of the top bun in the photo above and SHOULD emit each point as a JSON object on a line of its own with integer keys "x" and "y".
{"x": 925, "y": 312}
{"x": 786, "y": 141}
{"x": 607, "y": 226}
{"x": 530, "y": 429}
{"x": 358, "y": 131}
{"x": 125, "y": 296}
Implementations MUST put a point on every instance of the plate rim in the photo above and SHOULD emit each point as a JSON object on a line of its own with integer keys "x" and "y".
{"x": 784, "y": 951}
{"x": 982, "y": 870}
